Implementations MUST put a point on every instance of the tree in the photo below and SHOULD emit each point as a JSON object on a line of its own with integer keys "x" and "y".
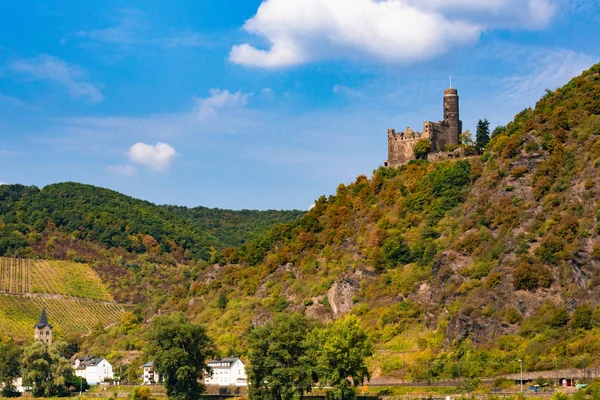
{"x": 341, "y": 350}
{"x": 46, "y": 369}
{"x": 582, "y": 317}
{"x": 482, "y": 136}
{"x": 280, "y": 367}
{"x": 466, "y": 138}
{"x": 422, "y": 149}
{"x": 499, "y": 130}
{"x": 10, "y": 367}
{"x": 180, "y": 350}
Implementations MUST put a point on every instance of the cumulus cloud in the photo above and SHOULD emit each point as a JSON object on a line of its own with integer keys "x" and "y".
{"x": 219, "y": 99}
{"x": 126, "y": 170}
{"x": 396, "y": 31}
{"x": 157, "y": 157}
{"x": 48, "y": 68}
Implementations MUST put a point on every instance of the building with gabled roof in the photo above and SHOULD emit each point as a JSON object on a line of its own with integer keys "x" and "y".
{"x": 42, "y": 331}
{"x": 226, "y": 372}
{"x": 151, "y": 376}
{"x": 95, "y": 370}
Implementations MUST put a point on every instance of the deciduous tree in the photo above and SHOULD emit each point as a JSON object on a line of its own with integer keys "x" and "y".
{"x": 280, "y": 368}
{"x": 341, "y": 350}
{"x": 180, "y": 350}
{"x": 10, "y": 367}
{"x": 46, "y": 369}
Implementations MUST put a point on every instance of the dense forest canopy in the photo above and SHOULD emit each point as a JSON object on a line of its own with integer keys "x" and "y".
{"x": 114, "y": 220}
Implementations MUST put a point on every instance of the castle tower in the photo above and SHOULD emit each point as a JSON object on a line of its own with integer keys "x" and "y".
{"x": 452, "y": 122}
{"x": 42, "y": 331}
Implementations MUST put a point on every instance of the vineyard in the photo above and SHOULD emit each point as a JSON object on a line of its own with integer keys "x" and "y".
{"x": 66, "y": 278}
{"x": 18, "y": 314}
{"x": 73, "y": 295}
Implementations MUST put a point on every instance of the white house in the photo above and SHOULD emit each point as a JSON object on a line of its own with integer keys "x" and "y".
{"x": 226, "y": 372}
{"x": 95, "y": 370}
{"x": 150, "y": 376}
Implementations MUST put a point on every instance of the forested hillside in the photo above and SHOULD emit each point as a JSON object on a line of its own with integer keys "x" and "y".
{"x": 456, "y": 268}
{"x": 113, "y": 220}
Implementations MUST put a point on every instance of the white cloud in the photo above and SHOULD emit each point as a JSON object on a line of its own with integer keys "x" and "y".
{"x": 131, "y": 29}
{"x": 548, "y": 69}
{"x": 396, "y": 31}
{"x": 48, "y": 68}
{"x": 11, "y": 100}
{"x": 157, "y": 157}
{"x": 126, "y": 170}
{"x": 346, "y": 91}
{"x": 219, "y": 99}
{"x": 3, "y": 183}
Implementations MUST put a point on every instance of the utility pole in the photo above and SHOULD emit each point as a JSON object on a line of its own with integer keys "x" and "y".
{"x": 521, "y": 364}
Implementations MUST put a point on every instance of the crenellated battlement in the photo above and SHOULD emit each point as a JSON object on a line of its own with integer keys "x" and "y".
{"x": 442, "y": 133}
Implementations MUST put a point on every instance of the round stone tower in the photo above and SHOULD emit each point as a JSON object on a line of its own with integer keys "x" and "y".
{"x": 453, "y": 125}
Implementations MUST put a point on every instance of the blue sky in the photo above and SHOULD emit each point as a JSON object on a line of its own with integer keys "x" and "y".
{"x": 250, "y": 104}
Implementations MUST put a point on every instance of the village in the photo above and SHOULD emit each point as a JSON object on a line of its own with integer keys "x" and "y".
{"x": 226, "y": 372}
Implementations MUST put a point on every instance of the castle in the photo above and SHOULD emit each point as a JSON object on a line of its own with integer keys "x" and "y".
{"x": 441, "y": 134}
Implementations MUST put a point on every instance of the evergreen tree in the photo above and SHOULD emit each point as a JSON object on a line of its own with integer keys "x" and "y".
{"x": 482, "y": 138}
{"x": 180, "y": 350}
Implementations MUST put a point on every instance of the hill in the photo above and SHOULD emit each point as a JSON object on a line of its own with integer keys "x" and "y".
{"x": 72, "y": 294}
{"x": 113, "y": 220}
{"x": 456, "y": 268}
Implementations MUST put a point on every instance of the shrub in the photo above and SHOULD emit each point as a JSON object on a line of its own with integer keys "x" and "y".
{"x": 582, "y": 317}
{"x": 141, "y": 393}
{"x": 422, "y": 149}
{"x": 519, "y": 172}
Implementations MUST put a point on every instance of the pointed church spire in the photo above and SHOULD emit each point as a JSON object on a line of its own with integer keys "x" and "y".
{"x": 43, "y": 320}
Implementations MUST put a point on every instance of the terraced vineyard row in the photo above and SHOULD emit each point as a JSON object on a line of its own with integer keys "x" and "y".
{"x": 18, "y": 314}
{"x": 53, "y": 277}
{"x": 15, "y": 275}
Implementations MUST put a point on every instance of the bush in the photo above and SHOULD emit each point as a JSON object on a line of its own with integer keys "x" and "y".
{"x": 141, "y": 393}
{"x": 582, "y": 317}
{"x": 422, "y": 149}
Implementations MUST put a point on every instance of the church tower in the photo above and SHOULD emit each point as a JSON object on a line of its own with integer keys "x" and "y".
{"x": 42, "y": 331}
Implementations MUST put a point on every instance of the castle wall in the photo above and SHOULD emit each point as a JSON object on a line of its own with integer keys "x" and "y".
{"x": 401, "y": 146}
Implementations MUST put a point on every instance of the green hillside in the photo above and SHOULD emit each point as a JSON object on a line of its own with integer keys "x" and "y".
{"x": 456, "y": 268}
{"x": 113, "y": 220}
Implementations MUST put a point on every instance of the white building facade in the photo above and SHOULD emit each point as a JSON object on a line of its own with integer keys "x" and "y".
{"x": 150, "y": 377}
{"x": 226, "y": 372}
{"x": 95, "y": 370}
